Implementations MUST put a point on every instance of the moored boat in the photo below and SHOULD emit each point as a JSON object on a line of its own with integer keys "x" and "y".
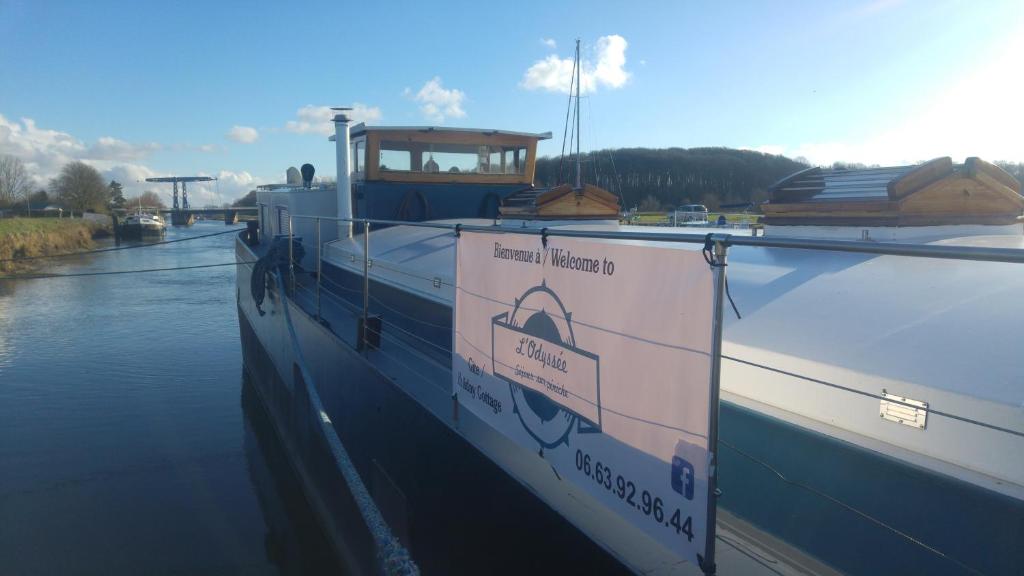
{"x": 142, "y": 224}
{"x": 850, "y": 420}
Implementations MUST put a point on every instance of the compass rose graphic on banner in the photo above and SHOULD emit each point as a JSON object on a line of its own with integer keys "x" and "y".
{"x": 555, "y": 385}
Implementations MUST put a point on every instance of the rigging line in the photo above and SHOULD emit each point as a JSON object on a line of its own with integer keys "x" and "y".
{"x": 842, "y": 504}
{"x": 617, "y": 179}
{"x": 383, "y": 265}
{"x": 424, "y": 357}
{"x": 116, "y": 248}
{"x": 584, "y": 322}
{"x": 408, "y": 368}
{"x": 328, "y": 280}
{"x": 348, "y": 307}
{"x": 565, "y": 130}
{"x": 875, "y": 396}
{"x": 734, "y": 359}
{"x": 588, "y": 401}
{"x": 115, "y": 272}
{"x": 416, "y": 336}
{"x": 383, "y": 305}
{"x": 404, "y": 315}
{"x": 591, "y": 156}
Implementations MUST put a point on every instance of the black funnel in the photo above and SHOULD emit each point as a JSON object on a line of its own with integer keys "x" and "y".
{"x": 307, "y": 174}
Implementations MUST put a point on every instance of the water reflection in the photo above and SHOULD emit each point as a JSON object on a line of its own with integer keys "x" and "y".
{"x": 123, "y": 444}
{"x": 293, "y": 541}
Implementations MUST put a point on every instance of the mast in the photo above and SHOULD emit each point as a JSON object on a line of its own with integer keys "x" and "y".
{"x": 579, "y": 170}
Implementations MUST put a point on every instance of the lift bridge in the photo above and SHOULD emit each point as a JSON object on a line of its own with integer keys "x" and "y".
{"x": 181, "y": 214}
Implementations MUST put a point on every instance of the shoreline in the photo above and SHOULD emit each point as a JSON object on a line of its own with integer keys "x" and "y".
{"x": 34, "y": 237}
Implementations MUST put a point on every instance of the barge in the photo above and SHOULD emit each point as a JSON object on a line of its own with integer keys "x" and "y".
{"x": 870, "y": 415}
{"x": 142, "y": 225}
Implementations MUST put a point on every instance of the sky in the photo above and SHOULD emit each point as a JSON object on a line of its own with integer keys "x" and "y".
{"x": 241, "y": 90}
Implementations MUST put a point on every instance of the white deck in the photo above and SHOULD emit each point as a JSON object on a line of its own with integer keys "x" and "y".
{"x": 943, "y": 332}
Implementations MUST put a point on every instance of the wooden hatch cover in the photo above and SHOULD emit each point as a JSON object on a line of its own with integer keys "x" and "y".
{"x": 561, "y": 202}
{"x": 933, "y": 193}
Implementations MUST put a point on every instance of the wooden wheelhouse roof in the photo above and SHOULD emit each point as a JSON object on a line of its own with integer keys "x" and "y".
{"x": 933, "y": 193}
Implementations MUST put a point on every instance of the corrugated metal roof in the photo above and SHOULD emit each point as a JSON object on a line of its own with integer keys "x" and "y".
{"x": 835, "y": 185}
{"x": 871, "y": 183}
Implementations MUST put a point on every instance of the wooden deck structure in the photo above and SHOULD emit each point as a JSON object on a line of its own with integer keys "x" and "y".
{"x": 934, "y": 193}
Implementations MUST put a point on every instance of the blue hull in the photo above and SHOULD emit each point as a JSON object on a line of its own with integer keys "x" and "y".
{"x": 455, "y": 510}
{"x": 451, "y": 504}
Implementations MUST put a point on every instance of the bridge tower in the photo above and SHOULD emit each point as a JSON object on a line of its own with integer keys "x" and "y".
{"x": 181, "y": 214}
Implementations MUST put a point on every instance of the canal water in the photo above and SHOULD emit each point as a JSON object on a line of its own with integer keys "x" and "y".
{"x": 129, "y": 441}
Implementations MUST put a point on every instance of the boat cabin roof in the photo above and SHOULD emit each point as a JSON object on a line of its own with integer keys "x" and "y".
{"x": 933, "y": 193}
{"x": 362, "y": 129}
{"x": 443, "y": 155}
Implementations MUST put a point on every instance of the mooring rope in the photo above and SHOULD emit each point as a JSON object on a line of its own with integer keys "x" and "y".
{"x": 116, "y": 248}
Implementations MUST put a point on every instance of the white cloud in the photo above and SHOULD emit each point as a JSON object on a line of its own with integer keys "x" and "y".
{"x": 128, "y": 174}
{"x": 107, "y": 148}
{"x": 317, "y": 119}
{"x": 228, "y": 187}
{"x": 549, "y": 42}
{"x": 438, "y": 103}
{"x": 605, "y": 68}
{"x": 46, "y": 151}
{"x": 243, "y": 134}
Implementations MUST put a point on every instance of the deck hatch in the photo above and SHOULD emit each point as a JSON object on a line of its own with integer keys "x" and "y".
{"x": 895, "y": 409}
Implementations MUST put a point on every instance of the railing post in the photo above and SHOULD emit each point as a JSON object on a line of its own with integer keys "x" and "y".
{"x": 291, "y": 253}
{"x": 319, "y": 266}
{"x": 366, "y": 282}
{"x": 720, "y": 253}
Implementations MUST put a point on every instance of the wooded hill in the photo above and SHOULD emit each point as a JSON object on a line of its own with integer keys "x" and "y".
{"x": 656, "y": 179}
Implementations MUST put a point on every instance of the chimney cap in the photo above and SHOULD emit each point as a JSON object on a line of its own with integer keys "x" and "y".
{"x": 340, "y": 116}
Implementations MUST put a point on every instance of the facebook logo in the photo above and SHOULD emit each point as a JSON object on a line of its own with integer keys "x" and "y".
{"x": 682, "y": 477}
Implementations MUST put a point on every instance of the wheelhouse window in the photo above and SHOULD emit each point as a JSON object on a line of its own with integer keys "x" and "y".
{"x": 359, "y": 155}
{"x": 398, "y": 156}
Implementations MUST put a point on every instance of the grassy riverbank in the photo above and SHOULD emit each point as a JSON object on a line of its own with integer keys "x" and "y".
{"x": 26, "y": 237}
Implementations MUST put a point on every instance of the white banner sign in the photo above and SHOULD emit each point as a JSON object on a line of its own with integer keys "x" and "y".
{"x": 596, "y": 356}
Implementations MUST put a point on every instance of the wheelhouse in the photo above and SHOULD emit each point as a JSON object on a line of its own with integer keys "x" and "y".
{"x": 423, "y": 173}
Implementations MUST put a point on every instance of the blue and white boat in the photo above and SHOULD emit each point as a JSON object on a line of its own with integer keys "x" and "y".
{"x": 871, "y": 403}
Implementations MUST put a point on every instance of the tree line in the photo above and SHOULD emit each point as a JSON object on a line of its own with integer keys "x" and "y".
{"x": 653, "y": 180}
{"x": 657, "y": 179}
{"x": 78, "y": 187}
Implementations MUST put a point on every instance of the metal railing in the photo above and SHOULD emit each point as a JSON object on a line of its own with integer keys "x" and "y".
{"x": 717, "y": 238}
{"x": 716, "y": 245}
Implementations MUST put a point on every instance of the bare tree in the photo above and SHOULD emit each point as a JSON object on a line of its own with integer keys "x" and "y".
{"x": 148, "y": 200}
{"x": 81, "y": 188}
{"x": 14, "y": 180}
